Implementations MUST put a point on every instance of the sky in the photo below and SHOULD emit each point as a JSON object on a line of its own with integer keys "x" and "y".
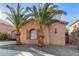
{"x": 72, "y": 10}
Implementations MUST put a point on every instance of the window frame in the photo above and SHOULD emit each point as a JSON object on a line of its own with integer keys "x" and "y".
{"x": 30, "y": 34}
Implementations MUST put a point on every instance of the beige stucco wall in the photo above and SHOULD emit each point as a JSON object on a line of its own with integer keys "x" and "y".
{"x": 46, "y": 36}
{"x": 59, "y": 37}
{"x": 49, "y": 36}
{"x": 24, "y": 33}
{"x": 71, "y": 28}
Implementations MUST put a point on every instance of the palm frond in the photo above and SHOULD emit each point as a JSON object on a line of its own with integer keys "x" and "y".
{"x": 45, "y": 13}
{"x": 17, "y": 16}
{"x": 28, "y": 9}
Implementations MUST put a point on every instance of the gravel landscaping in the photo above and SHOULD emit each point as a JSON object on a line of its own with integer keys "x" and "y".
{"x": 68, "y": 50}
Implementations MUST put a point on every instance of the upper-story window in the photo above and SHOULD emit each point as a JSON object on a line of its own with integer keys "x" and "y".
{"x": 33, "y": 34}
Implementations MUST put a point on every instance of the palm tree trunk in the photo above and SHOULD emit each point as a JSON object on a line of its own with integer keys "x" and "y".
{"x": 40, "y": 37}
{"x": 18, "y": 42}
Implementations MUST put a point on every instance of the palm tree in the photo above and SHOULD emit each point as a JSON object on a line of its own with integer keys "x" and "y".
{"x": 17, "y": 17}
{"x": 43, "y": 15}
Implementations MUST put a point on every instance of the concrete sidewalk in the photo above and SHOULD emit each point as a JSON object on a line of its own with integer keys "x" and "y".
{"x": 6, "y": 52}
{"x": 7, "y": 42}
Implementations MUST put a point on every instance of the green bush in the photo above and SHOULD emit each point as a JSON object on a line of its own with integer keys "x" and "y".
{"x": 75, "y": 36}
{"x": 3, "y": 36}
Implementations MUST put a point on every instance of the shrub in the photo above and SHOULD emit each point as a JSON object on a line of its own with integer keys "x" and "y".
{"x": 3, "y": 36}
{"x": 75, "y": 36}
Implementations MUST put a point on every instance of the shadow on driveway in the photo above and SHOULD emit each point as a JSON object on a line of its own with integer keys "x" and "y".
{"x": 68, "y": 50}
{"x": 32, "y": 50}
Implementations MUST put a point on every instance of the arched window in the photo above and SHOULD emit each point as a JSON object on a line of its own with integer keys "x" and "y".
{"x": 33, "y": 34}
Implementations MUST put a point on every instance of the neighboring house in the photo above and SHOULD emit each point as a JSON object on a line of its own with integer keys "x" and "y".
{"x": 6, "y": 29}
{"x": 74, "y": 26}
{"x": 53, "y": 34}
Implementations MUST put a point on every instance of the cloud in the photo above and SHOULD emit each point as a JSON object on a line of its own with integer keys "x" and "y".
{"x": 3, "y": 16}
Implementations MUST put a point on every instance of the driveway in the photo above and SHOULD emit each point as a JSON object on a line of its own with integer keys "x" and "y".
{"x": 6, "y": 52}
{"x": 9, "y": 48}
{"x": 34, "y": 50}
{"x": 9, "y": 51}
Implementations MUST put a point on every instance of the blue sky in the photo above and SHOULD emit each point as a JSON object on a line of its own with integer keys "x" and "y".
{"x": 72, "y": 10}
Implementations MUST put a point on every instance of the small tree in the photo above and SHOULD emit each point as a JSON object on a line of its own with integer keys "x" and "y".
{"x": 75, "y": 35}
{"x": 43, "y": 15}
